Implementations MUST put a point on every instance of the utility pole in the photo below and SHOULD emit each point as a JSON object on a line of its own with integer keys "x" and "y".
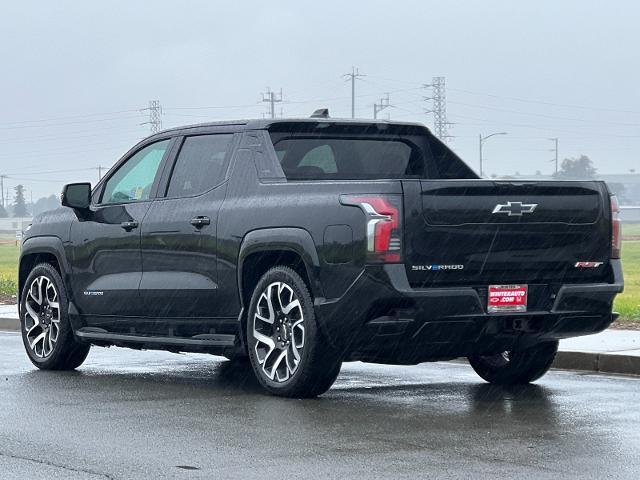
{"x": 155, "y": 116}
{"x": 353, "y": 76}
{"x": 378, "y": 107}
{"x": 99, "y": 168}
{"x": 555, "y": 150}
{"x": 439, "y": 108}
{"x": 2, "y": 177}
{"x": 272, "y": 98}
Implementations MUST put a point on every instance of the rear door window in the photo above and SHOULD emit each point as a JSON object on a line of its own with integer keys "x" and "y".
{"x": 201, "y": 165}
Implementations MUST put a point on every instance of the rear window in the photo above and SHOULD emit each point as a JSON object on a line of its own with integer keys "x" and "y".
{"x": 363, "y": 152}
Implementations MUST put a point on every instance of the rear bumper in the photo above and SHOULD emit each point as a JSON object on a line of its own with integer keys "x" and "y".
{"x": 381, "y": 318}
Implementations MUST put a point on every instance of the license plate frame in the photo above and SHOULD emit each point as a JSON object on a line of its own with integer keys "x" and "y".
{"x": 507, "y": 298}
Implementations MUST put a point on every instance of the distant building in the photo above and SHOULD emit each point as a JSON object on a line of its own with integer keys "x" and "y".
{"x": 12, "y": 225}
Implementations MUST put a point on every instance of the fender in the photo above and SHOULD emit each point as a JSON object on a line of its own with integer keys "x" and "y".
{"x": 46, "y": 244}
{"x": 296, "y": 240}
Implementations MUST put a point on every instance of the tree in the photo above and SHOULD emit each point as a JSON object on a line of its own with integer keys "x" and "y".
{"x": 45, "y": 203}
{"x": 620, "y": 190}
{"x": 581, "y": 167}
{"x": 19, "y": 205}
{"x": 3, "y": 212}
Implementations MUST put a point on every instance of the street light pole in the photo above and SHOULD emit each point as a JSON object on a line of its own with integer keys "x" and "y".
{"x": 481, "y": 141}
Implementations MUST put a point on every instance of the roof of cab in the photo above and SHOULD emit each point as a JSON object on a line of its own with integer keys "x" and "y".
{"x": 262, "y": 124}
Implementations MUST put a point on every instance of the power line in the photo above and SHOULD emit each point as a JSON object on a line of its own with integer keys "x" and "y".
{"x": 555, "y": 117}
{"x": 542, "y": 102}
{"x": 68, "y": 117}
{"x": 113, "y": 130}
{"x": 155, "y": 116}
{"x": 18, "y": 127}
{"x": 520, "y": 99}
{"x": 353, "y": 76}
{"x": 248, "y": 105}
{"x": 272, "y": 98}
{"x": 555, "y": 150}
{"x": 69, "y": 170}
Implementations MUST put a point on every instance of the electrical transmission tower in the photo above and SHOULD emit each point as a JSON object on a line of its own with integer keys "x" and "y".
{"x": 353, "y": 76}
{"x": 155, "y": 116}
{"x": 378, "y": 107}
{"x": 272, "y": 98}
{"x": 439, "y": 108}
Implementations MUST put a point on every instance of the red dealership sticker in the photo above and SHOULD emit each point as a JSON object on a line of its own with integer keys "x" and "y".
{"x": 507, "y": 298}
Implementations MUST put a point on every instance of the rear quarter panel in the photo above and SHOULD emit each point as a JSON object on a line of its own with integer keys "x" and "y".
{"x": 313, "y": 206}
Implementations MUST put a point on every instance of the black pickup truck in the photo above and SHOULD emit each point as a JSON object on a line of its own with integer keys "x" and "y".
{"x": 300, "y": 244}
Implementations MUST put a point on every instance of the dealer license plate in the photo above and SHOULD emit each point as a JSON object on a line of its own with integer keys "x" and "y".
{"x": 507, "y": 298}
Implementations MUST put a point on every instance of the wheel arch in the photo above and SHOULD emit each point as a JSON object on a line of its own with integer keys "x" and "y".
{"x": 265, "y": 248}
{"x": 38, "y": 250}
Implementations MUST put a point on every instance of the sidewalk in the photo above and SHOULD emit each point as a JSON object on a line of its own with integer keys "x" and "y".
{"x": 611, "y": 351}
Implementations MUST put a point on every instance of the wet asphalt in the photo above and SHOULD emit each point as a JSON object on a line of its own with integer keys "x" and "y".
{"x": 129, "y": 414}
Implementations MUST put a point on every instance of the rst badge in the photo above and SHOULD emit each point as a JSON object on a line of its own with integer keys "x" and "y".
{"x": 588, "y": 264}
{"x": 514, "y": 209}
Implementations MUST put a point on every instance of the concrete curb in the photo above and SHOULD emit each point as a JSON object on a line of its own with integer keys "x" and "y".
{"x": 11, "y": 324}
{"x": 598, "y": 362}
{"x": 581, "y": 361}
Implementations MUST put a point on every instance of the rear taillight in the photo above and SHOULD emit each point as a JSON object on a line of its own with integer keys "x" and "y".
{"x": 384, "y": 235}
{"x": 616, "y": 228}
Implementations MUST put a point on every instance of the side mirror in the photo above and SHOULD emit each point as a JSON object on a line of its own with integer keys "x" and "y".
{"x": 77, "y": 195}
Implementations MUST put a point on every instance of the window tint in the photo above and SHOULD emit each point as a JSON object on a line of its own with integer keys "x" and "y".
{"x": 354, "y": 151}
{"x": 320, "y": 157}
{"x": 133, "y": 180}
{"x": 342, "y": 158}
{"x": 201, "y": 165}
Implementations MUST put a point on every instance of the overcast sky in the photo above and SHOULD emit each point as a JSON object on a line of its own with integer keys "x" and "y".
{"x": 74, "y": 75}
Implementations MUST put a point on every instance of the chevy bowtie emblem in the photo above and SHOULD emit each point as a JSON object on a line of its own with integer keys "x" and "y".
{"x": 515, "y": 209}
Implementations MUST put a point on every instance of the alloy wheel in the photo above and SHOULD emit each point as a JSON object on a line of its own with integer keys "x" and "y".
{"x": 42, "y": 317}
{"x": 278, "y": 329}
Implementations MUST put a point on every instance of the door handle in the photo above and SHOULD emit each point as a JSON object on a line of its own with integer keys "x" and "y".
{"x": 128, "y": 226}
{"x": 200, "y": 221}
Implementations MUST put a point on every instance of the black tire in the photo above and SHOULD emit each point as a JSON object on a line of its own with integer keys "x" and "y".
{"x": 518, "y": 366}
{"x": 318, "y": 365}
{"x": 66, "y": 352}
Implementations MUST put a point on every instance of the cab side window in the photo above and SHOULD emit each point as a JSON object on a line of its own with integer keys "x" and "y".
{"x": 133, "y": 180}
{"x": 200, "y": 166}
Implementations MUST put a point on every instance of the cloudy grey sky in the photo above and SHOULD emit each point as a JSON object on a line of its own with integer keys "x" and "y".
{"x": 75, "y": 73}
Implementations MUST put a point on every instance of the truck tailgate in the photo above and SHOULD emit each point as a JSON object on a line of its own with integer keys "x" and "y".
{"x": 485, "y": 231}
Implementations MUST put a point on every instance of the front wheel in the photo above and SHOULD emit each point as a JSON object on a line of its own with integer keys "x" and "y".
{"x": 286, "y": 349}
{"x": 46, "y": 331}
{"x": 517, "y": 366}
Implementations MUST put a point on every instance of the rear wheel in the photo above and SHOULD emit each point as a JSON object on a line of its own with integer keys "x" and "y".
{"x": 46, "y": 331}
{"x": 517, "y": 366}
{"x": 287, "y": 351}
